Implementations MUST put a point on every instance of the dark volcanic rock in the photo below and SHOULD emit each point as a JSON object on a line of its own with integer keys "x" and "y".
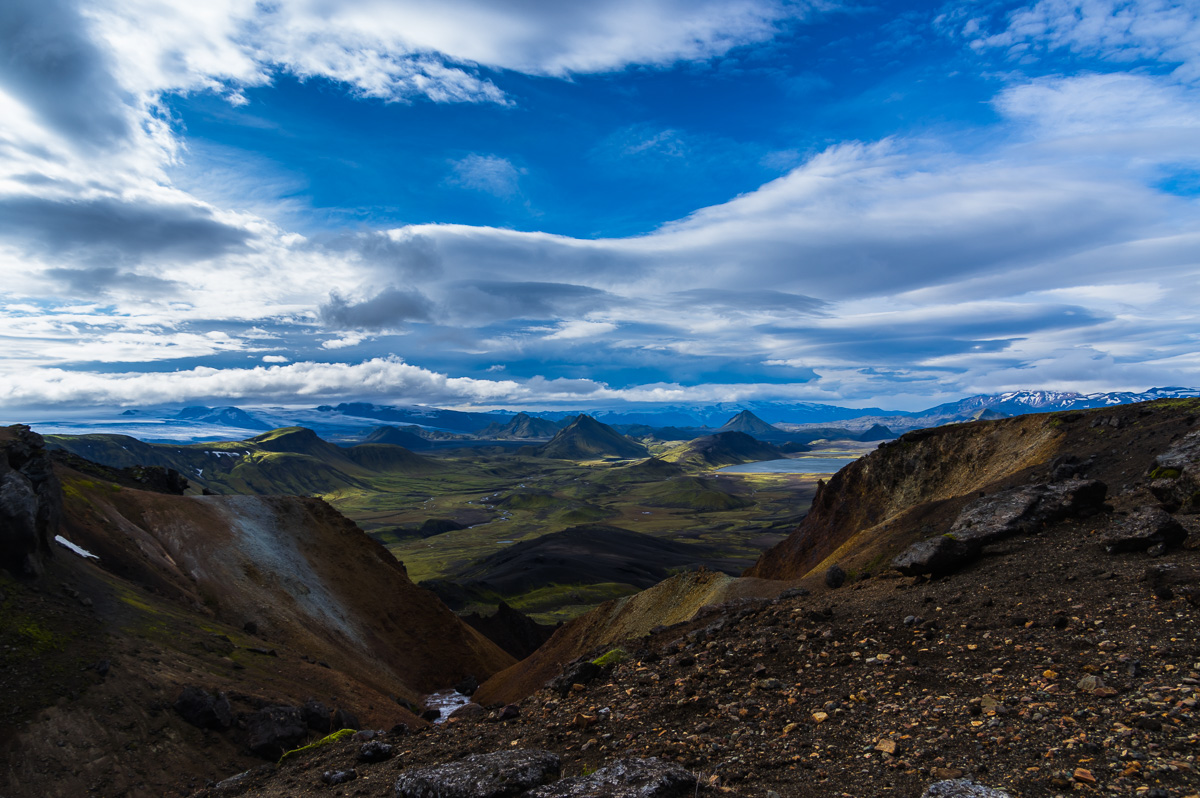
{"x": 1145, "y": 527}
{"x": 30, "y": 501}
{"x": 1024, "y": 510}
{"x": 835, "y": 577}
{"x": 991, "y": 519}
{"x": 375, "y": 751}
{"x": 317, "y": 716}
{"x": 961, "y": 788}
{"x": 941, "y": 555}
{"x": 274, "y": 730}
{"x": 1175, "y": 475}
{"x": 467, "y": 686}
{"x": 332, "y": 777}
{"x": 203, "y": 709}
{"x": 579, "y": 672}
{"x": 625, "y": 778}
{"x": 497, "y": 775}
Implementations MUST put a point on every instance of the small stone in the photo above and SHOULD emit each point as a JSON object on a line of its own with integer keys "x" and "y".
{"x": 332, "y": 777}
{"x": 886, "y": 746}
{"x": 509, "y": 712}
{"x": 946, "y": 774}
{"x": 1083, "y": 776}
{"x": 1089, "y": 684}
{"x": 820, "y": 717}
{"x": 375, "y": 751}
{"x": 960, "y": 788}
{"x": 1049, "y": 674}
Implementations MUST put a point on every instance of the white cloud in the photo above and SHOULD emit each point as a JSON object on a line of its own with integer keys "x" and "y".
{"x": 347, "y": 340}
{"x": 1120, "y": 31}
{"x": 490, "y": 174}
{"x": 580, "y": 328}
{"x": 1144, "y": 119}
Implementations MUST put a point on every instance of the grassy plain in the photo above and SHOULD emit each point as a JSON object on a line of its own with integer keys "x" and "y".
{"x": 501, "y": 499}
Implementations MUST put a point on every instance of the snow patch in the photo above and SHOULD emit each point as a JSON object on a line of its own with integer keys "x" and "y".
{"x": 82, "y": 552}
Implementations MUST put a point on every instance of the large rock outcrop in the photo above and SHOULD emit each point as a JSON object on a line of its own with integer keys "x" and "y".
{"x": 30, "y": 502}
{"x": 991, "y": 519}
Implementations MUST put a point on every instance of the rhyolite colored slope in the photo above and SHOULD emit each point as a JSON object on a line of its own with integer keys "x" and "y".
{"x": 271, "y": 600}
{"x": 915, "y": 487}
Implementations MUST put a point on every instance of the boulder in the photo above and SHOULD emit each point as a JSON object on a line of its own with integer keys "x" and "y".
{"x": 941, "y": 555}
{"x": 375, "y": 751}
{"x": 961, "y": 788}
{"x": 203, "y": 709}
{"x": 625, "y": 778}
{"x": 991, "y": 519}
{"x": 274, "y": 730}
{"x": 1145, "y": 527}
{"x": 1175, "y": 475}
{"x": 467, "y": 686}
{"x": 344, "y": 719}
{"x": 582, "y": 671}
{"x": 1023, "y": 510}
{"x": 835, "y": 577}
{"x": 497, "y": 775}
{"x": 317, "y": 716}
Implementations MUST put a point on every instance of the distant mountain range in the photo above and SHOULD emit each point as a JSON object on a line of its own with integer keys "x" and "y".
{"x": 352, "y": 422}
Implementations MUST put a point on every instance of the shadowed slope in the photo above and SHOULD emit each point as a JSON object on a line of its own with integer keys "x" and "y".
{"x": 722, "y": 449}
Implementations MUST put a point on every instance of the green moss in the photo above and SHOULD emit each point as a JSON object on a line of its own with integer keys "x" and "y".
{"x": 613, "y": 657}
{"x": 1165, "y": 473}
{"x": 38, "y": 637}
{"x": 336, "y": 737}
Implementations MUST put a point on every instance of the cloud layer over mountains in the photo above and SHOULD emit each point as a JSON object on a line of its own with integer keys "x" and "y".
{"x": 1049, "y": 237}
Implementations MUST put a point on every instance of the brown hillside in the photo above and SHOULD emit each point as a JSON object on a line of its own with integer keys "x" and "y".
{"x": 272, "y": 601}
{"x": 301, "y": 572}
{"x": 672, "y": 601}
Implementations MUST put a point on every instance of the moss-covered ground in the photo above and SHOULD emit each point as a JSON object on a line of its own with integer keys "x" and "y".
{"x": 503, "y": 499}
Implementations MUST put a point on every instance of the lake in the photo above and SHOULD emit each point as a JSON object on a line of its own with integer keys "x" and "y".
{"x": 798, "y": 465}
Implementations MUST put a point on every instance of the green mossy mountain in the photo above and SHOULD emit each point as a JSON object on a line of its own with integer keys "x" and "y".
{"x": 289, "y": 460}
{"x": 723, "y": 449}
{"x": 522, "y": 426}
{"x": 407, "y": 437}
{"x": 750, "y": 424}
{"x": 585, "y": 438}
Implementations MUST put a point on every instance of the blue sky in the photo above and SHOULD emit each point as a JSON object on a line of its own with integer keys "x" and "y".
{"x": 532, "y": 204}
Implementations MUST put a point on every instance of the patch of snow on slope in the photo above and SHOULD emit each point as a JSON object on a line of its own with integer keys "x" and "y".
{"x": 82, "y": 552}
